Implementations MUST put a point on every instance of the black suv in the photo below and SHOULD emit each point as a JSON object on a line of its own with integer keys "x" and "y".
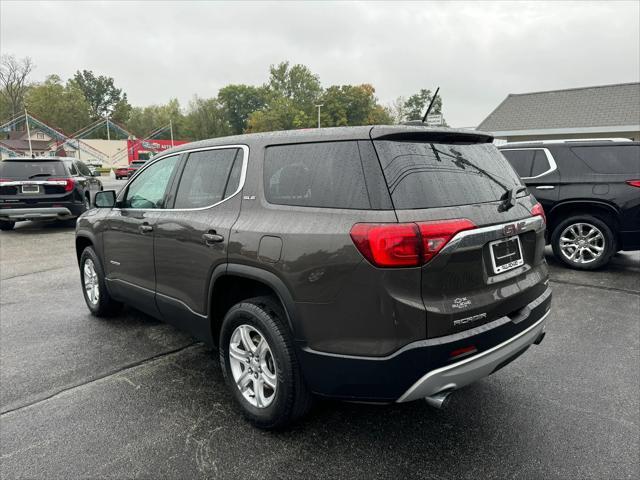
{"x": 590, "y": 191}
{"x": 45, "y": 188}
{"x": 375, "y": 264}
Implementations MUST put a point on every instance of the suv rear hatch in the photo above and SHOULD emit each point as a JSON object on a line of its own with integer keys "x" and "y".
{"x": 482, "y": 234}
{"x": 33, "y": 181}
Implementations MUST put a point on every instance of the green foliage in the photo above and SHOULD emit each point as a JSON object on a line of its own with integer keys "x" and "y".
{"x": 352, "y": 105}
{"x": 64, "y": 107}
{"x": 207, "y": 118}
{"x": 416, "y": 105}
{"x": 144, "y": 120}
{"x": 102, "y": 95}
{"x": 239, "y": 101}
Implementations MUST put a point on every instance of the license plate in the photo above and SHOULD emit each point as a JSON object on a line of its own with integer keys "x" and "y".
{"x": 506, "y": 254}
{"x": 30, "y": 189}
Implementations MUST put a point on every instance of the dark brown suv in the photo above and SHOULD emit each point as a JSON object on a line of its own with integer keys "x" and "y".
{"x": 382, "y": 264}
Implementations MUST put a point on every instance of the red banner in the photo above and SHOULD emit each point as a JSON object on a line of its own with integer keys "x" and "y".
{"x": 145, "y": 149}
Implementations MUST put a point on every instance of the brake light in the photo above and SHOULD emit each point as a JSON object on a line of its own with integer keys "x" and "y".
{"x": 69, "y": 183}
{"x": 405, "y": 244}
{"x": 5, "y": 180}
{"x": 435, "y": 235}
{"x": 537, "y": 210}
{"x": 634, "y": 183}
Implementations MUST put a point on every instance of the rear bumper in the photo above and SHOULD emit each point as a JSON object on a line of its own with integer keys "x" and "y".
{"x": 474, "y": 368}
{"x": 17, "y": 214}
{"x": 424, "y": 368}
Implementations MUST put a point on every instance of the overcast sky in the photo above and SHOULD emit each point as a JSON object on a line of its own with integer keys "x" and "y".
{"x": 476, "y": 52}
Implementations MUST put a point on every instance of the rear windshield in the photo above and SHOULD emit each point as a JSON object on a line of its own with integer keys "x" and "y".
{"x": 25, "y": 169}
{"x": 427, "y": 175}
{"x": 611, "y": 159}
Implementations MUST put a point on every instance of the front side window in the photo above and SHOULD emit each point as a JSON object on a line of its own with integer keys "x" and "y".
{"x": 84, "y": 170}
{"x": 148, "y": 189}
{"x": 528, "y": 162}
{"x": 209, "y": 177}
{"x": 327, "y": 174}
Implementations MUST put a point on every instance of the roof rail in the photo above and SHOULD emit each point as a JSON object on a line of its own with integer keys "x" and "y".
{"x": 569, "y": 140}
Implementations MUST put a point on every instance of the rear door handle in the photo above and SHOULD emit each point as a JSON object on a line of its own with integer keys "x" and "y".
{"x": 545, "y": 187}
{"x": 144, "y": 228}
{"x": 212, "y": 237}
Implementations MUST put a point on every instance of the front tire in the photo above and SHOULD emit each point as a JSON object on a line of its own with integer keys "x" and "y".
{"x": 260, "y": 366}
{"x": 583, "y": 242}
{"x": 94, "y": 288}
{"x": 6, "y": 225}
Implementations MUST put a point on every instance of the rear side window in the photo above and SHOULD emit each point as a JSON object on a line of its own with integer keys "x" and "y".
{"x": 427, "y": 175}
{"x": 611, "y": 159}
{"x": 209, "y": 177}
{"x": 31, "y": 169}
{"x": 528, "y": 162}
{"x": 325, "y": 175}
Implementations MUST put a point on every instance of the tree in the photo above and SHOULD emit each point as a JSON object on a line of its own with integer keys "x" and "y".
{"x": 102, "y": 95}
{"x": 291, "y": 96}
{"x": 144, "y": 120}
{"x": 64, "y": 107}
{"x": 352, "y": 105}
{"x": 207, "y": 118}
{"x": 416, "y": 105}
{"x": 239, "y": 101}
{"x": 13, "y": 81}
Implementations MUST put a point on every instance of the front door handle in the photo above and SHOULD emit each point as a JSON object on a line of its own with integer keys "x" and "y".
{"x": 212, "y": 237}
{"x": 545, "y": 187}
{"x": 145, "y": 228}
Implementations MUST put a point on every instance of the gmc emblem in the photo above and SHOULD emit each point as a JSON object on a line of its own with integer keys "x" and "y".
{"x": 513, "y": 228}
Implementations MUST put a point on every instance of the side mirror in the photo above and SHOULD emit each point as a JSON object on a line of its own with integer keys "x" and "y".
{"x": 105, "y": 199}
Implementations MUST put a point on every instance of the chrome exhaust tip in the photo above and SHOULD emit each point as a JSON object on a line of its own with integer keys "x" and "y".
{"x": 439, "y": 400}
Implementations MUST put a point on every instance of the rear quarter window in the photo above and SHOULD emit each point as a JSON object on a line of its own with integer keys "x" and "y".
{"x": 610, "y": 159}
{"x": 328, "y": 175}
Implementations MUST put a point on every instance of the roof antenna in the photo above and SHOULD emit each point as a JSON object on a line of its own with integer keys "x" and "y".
{"x": 433, "y": 99}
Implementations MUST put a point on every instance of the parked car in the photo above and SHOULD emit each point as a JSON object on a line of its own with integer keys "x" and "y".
{"x": 126, "y": 172}
{"x": 44, "y": 188}
{"x": 121, "y": 172}
{"x": 373, "y": 264}
{"x": 590, "y": 191}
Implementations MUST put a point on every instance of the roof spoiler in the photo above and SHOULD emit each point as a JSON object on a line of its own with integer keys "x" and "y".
{"x": 435, "y": 135}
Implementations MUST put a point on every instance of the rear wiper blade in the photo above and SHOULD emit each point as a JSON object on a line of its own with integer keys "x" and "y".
{"x": 40, "y": 175}
{"x": 512, "y": 194}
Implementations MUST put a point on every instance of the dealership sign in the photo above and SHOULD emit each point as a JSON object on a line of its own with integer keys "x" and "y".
{"x": 149, "y": 148}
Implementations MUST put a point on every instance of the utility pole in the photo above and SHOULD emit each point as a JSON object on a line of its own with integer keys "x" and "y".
{"x": 319, "y": 107}
{"x": 171, "y": 129}
{"x": 109, "y": 145}
{"x": 26, "y": 120}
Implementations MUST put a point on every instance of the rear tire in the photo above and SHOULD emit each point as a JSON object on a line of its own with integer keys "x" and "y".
{"x": 6, "y": 225}
{"x": 248, "y": 323}
{"x": 583, "y": 242}
{"x": 94, "y": 288}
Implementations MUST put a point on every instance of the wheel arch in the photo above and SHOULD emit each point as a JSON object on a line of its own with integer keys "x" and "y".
{"x": 232, "y": 283}
{"x": 84, "y": 240}
{"x": 603, "y": 210}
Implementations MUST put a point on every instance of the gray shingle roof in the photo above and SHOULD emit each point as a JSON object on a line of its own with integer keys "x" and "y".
{"x": 600, "y": 106}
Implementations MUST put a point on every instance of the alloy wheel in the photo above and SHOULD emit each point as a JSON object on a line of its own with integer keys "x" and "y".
{"x": 90, "y": 279}
{"x": 582, "y": 243}
{"x": 253, "y": 366}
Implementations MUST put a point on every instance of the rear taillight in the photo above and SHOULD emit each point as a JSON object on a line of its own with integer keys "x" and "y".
{"x": 405, "y": 244}
{"x": 435, "y": 235}
{"x": 634, "y": 183}
{"x": 537, "y": 210}
{"x": 69, "y": 183}
{"x": 5, "y": 180}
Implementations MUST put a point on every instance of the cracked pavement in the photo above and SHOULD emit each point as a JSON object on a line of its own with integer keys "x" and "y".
{"x": 82, "y": 397}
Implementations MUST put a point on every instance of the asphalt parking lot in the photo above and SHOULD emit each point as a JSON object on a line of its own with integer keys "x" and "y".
{"x": 83, "y": 397}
